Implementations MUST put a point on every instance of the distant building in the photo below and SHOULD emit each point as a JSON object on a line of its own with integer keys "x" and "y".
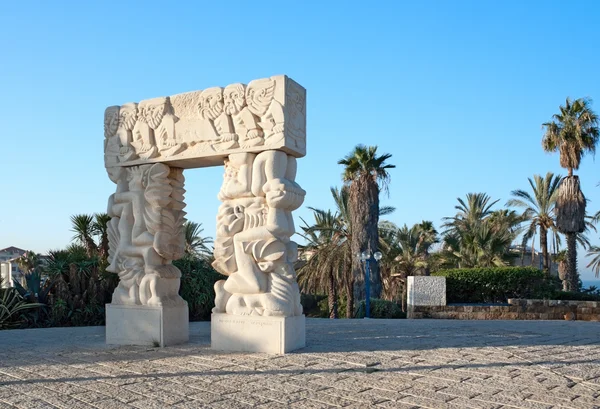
{"x": 522, "y": 257}
{"x": 9, "y": 269}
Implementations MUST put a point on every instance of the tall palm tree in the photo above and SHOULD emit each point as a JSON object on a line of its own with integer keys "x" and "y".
{"x": 196, "y": 244}
{"x": 84, "y": 229}
{"x": 539, "y": 210}
{"x": 573, "y": 132}
{"x": 366, "y": 173}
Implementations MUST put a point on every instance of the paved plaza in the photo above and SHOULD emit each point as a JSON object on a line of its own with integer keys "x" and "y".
{"x": 348, "y": 363}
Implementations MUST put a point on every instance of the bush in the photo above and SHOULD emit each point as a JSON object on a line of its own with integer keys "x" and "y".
{"x": 314, "y": 305}
{"x": 198, "y": 279}
{"x": 574, "y": 296}
{"x": 380, "y": 309}
{"x": 492, "y": 285}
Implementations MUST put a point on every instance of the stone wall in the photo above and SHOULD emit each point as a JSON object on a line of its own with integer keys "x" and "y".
{"x": 517, "y": 309}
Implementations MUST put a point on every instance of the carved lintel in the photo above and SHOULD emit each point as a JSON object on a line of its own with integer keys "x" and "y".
{"x": 201, "y": 128}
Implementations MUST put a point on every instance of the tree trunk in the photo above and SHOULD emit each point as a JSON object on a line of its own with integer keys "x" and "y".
{"x": 544, "y": 246}
{"x": 364, "y": 205}
{"x": 427, "y": 270}
{"x": 404, "y": 294}
{"x": 572, "y": 275}
{"x": 350, "y": 300}
{"x": 332, "y": 297}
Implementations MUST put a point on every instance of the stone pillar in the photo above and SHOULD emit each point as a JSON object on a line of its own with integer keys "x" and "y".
{"x": 146, "y": 234}
{"x": 257, "y": 130}
{"x": 258, "y": 307}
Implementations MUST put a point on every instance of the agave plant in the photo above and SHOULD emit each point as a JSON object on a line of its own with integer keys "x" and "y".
{"x": 11, "y": 307}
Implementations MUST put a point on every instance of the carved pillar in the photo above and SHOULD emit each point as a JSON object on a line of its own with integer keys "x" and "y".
{"x": 253, "y": 248}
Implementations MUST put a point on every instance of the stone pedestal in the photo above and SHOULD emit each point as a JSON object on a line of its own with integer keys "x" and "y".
{"x": 272, "y": 335}
{"x": 426, "y": 291}
{"x": 146, "y": 325}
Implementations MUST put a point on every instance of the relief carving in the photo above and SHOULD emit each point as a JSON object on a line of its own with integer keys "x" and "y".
{"x": 269, "y": 113}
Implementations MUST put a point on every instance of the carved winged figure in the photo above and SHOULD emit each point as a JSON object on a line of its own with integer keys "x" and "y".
{"x": 260, "y": 97}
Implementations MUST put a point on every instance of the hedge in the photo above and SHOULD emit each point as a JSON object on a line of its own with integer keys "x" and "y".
{"x": 380, "y": 309}
{"x": 494, "y": 285}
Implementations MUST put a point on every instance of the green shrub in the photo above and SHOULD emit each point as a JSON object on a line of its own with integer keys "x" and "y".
{"x": 314, "y": 305}
{"x": 492, "y": 285}
{"x": 198, "y": 279}
{"x": 574, "y": 296}
{"x": 380, "y": 309}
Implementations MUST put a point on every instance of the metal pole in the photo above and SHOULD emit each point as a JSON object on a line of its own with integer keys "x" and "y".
{"x": 368, "y": 289}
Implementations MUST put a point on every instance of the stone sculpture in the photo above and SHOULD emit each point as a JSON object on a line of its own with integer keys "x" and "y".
{"x": 257, "y": 131}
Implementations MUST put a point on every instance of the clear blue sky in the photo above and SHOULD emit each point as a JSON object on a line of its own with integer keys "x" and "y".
{"x": 456, "y": 91}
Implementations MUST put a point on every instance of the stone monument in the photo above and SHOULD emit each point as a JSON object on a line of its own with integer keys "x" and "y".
{"x": 256, "y": 131}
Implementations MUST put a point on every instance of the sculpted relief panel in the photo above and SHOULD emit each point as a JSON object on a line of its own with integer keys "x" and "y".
{"x": 181, "y": 130}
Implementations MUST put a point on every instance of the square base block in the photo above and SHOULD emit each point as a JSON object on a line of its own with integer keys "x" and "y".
{"x": 272, "y": 335}
{"x": 146, "y": 325}
{"x": 426, "y": 291}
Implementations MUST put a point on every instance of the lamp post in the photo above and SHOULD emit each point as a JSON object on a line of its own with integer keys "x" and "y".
{"x": 366, "y": 258}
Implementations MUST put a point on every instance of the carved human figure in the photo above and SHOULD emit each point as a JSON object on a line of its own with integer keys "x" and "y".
{"x": 261, "y": 278}
{"x": 127, "y": 119}
{"x": 244, "y": 122}
{"x": 146, "y": 234}
{"x": 217, "y": 126}
{"x": 260, "y": 97}
{"x": 112, "y": 145}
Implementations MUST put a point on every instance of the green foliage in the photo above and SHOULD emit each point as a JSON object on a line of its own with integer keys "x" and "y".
{"x": 575, "y": 296}
{"x": 197, "y": 286}
{"x": 12, "y": 306}
{"x": 380, "y": 309}
{"x": 314, "y": 305}
{"x": 484, "y": 285}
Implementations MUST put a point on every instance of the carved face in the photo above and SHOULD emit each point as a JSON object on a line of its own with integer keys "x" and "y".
{"x": 211, "y": 103}
{"x": 111, "y": 121}
{"x": 259, "y": 95}
{"x": 128, "y": 116}
{"x": 153, "y": 111}
{"x": 233, "y": 98}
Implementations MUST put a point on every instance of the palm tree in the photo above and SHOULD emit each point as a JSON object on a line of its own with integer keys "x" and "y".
{"x": 327, "y": 253}
{"x": 84, "y": 229}
{"x": 428, "y": 236}
{"x": 573, "y": 132}
{"x": 404, "y": 250}
{"x": 100, "y": 227}
{"x": 366, "y": 174}
{"x": 195, "y": 244}
{"x": 478, "y": 236}
{"x": 325, "y": 256}
{"x": 539, "y": 210}
{"x": 475, "y": 209}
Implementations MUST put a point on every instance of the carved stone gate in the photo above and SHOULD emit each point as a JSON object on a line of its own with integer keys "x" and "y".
{"x": 257, "y": 131}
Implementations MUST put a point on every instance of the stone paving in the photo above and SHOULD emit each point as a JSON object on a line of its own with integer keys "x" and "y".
{"x": 349, "y": 363}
